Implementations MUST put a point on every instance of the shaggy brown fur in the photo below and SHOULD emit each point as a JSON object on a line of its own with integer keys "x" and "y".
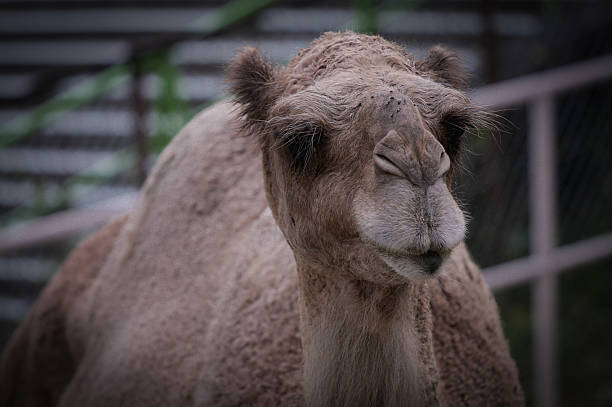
{"x": 310, "y": 284}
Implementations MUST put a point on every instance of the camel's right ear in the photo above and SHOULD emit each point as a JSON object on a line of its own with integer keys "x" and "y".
{"x": 252, "y": 83}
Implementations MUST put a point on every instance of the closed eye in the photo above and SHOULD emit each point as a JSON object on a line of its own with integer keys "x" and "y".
{"x": 301, "y": 142}
{"x": 453, "y": 129}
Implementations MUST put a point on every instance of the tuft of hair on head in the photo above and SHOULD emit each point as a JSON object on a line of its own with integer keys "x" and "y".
{"x": 252, "y": 82}
{"x": 444, "y": 66}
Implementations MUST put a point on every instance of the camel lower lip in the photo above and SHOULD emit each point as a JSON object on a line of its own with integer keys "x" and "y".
{"x": 431, "y": 261}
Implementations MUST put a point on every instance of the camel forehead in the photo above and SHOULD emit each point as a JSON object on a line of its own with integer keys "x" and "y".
{"x": 379, "y": 81}
{"x": 373, "y": 94}
{"x": 333, "y": 52}
{"x": 341, "y": 70}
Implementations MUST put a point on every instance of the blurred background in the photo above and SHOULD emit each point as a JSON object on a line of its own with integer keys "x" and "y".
{"x": 91, "y": 92}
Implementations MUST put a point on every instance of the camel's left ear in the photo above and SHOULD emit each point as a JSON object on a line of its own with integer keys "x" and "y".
{"x": 252, "y": 82}
{"x": 444, "y": 66}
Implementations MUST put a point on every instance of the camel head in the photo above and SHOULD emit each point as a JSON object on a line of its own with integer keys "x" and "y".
{"x": 359, "y": 143}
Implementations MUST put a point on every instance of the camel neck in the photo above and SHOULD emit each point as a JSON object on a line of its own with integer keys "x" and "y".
{"x": 365, "y": 344}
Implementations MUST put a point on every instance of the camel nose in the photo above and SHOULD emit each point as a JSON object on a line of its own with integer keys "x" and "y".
{"x": 418, "y": 157}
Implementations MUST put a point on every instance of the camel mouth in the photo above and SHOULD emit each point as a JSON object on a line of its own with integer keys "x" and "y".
{"x": 413, "y": 264}
{"x": 430, "y": 261}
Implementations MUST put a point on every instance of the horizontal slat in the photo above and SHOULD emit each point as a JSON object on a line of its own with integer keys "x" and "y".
{"x": 92, "y": 123}
{"x": 509, "y": 5}
{"x": 305, "y": 21}
{"x": 560, "y": 259}
{"x": 15, "y": 193}
{"x": 311, "y": 20}
{"x": 397, "y": 22}
{"x": 521, "y": 90}
{"x": 63, "y": 53}
{"x": 220, "y": 51}
{"x": 16, "y": 85}
{"x": 63, "y": 224}
{"x": 87, "y": 52}
{"x": 27, "y": 270}
{"x": 431, "y": 23}
{"x": 85, "y": 195}
{"x": 37, "y": 161}
{"x": 105, "y": 122}
{"x": 198, "y": 87}
{"x": 13, "y": 309}
{"x": 101, "y": 20}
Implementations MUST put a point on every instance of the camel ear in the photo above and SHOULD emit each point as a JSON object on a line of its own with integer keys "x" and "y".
{"x": 252, "y": 82}
{"x": 444, "y": 66}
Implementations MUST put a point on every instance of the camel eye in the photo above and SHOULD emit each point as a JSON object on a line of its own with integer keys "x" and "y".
{"x": 453, "y": 129}
{"x": 301, "y": 142}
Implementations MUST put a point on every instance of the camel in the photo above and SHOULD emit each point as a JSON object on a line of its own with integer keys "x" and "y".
{"x": 298, "y": 245}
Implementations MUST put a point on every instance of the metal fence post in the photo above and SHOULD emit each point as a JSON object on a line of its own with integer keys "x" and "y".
{"x": 542, "y": 210}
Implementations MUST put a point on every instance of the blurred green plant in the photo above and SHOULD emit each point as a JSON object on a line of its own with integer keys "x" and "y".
{"x": 47, "y": 201}
{"x": 92, "y": 89}
{"x": 170, "y": 108}
{"x": 170, "y": 112}
{"x": 366, "y": 13}
{"x": 68, "y": 101}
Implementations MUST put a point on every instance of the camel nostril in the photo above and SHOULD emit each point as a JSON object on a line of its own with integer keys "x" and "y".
{"x": 442, "y": 155}
{"x": 387, "y": 164}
